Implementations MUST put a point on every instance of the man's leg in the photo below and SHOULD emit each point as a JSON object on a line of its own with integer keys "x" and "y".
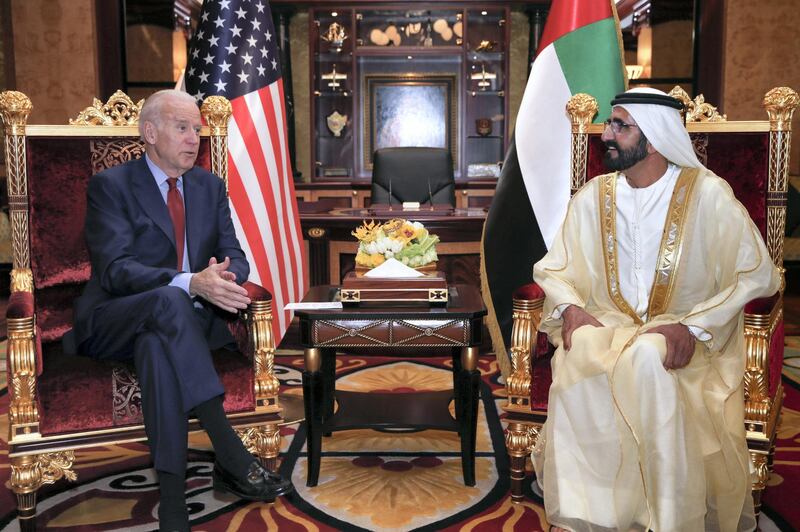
{"x": 167, "y": 315}
{"x": 166, "y": 427}
{"x": 671, "y": 458}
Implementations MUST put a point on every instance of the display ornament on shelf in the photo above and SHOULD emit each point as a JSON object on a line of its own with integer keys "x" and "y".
{"x": 408, "y": 242}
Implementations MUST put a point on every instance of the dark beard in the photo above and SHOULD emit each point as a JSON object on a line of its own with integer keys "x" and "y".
{"x": 625, "y": 158}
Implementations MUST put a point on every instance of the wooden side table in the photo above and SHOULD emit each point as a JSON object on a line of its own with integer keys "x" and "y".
{"x": 458, "y": 326}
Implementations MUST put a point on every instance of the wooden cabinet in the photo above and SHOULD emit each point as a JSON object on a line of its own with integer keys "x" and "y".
{"x": 384, "y": 75}
{"x": 470, "y": 194}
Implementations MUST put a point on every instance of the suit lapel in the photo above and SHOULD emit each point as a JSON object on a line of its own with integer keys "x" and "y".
{"x": 149, "y": 197}
{"x": 193, "y": 201}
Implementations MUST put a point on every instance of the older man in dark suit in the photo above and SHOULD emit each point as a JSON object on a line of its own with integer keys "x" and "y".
{"x": 165, "y": 260}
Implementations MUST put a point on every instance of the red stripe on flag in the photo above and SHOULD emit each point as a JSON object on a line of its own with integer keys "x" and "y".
{"x": 300, "y": 281}
{"x": 569, "y": 15}
{"x": 281, "y": 163}
{"x": 247, "y": 129}
{"x": 244, "y": 211}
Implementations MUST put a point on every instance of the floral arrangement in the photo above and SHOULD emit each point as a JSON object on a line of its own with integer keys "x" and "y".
{"x": 408, "y": 242}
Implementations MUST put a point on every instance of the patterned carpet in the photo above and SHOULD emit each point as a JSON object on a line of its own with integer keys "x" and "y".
{"x": 369, "y": 480}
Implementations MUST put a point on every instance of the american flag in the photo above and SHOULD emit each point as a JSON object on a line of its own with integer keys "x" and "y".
{"x": 235, "y": 54}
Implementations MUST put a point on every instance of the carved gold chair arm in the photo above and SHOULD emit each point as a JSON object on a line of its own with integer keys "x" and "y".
{"x": 527, "y": 312}
{"x": 262, "y": 344}
{"x": 760, "y": 326}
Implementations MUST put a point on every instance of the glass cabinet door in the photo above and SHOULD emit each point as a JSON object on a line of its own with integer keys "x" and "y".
{"x": 332, "y": 85}
{"x": 485, "y": 120}
{"x": 414, "y": 28}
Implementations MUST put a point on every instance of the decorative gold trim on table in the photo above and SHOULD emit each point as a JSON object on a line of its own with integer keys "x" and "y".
{"x": 437, "y": 295}
{"x": 581, "y": 109}
{"x": 780, "y": 104}
{"x": 217, "y": 111}
{"x": 527, "y": 315}
{"x": 350, "y": 295}
{"x": 697, "y": 110}
{"x": 469, "y": 357}
{"x": 669, "y": 253}
{"x": 118, "y": 111}
{"x": 430, "y": 329}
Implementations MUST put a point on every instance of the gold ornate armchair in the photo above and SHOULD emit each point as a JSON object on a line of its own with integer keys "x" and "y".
{"x": 60, "y": 403}
{"x": 753, "y": 157}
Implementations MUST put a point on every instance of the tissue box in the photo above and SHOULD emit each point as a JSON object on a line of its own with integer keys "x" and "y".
{"x": 429, "y": 289}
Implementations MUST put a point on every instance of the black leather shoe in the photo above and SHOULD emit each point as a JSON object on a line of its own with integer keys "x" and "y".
{"x": 258, "y": 485}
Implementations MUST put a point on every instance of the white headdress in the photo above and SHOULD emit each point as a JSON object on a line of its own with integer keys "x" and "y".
{"x": 660, "y": 121}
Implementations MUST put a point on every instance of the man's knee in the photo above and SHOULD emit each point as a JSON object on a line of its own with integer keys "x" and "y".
{"x": 648, "y": 353}
{"x": 170, "y": 301}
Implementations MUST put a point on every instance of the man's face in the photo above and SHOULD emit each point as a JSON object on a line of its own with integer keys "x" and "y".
{"x": 625, "y": 142}
{"x": 175, "y": 137}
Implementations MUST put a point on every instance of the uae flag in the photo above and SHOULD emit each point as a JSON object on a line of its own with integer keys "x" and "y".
{"x": 235, "y": 54}
{"x": 581, "y": 51}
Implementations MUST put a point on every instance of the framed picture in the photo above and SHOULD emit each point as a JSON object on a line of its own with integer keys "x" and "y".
{"x": 409, "y": 110}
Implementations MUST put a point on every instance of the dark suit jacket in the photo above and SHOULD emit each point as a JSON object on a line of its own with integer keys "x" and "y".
{"x": 132, "y": 243}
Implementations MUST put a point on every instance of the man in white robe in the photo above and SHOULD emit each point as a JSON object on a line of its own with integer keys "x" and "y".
{"x": 645, "y": 288}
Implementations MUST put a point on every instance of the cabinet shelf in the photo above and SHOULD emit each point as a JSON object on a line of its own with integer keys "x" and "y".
{"x": 498, "y": 94}
{"x": 334, "y": 57}
{"x": 376, "y": 74}
{"x": 485, "y": 56}
{"x": 328, "y": 94}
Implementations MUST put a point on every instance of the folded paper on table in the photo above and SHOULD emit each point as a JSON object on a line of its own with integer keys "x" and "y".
{"x": 314, "y": 305}
{"x": 392, "y": 269}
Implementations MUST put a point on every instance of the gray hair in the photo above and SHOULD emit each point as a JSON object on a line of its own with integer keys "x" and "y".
{"x": 152, "y": 109}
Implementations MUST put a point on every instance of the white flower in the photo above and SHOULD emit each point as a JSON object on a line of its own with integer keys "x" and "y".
{"x": 417, "y": 225}
{"x": 397, "y": 246}
{"x": 388, "y": 254}
{"x": 372, "y": 248}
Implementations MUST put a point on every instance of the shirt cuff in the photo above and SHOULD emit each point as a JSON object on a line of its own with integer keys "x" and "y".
{"x": 182, "y": 281}
{"x": 699, "y": 333}
{"x": 559, "y": 310}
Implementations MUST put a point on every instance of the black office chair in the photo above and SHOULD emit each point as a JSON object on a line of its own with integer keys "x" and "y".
{"x": 413, "y": 174}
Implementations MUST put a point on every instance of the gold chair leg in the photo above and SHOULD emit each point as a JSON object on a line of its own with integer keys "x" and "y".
{"x": 29, "y": 472}
{"x": 519, "y": 443}
{"x": 760, "y": 462}
{"x": 26, "y": 478}
{"x": 263, "y": 441}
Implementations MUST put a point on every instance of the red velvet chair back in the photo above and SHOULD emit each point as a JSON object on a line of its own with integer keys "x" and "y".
{"x": 739, "y": 157}
{"x": 58, "y": 170}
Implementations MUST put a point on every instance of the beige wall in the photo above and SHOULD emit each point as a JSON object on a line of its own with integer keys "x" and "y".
{"x": 55, "y": 57}
{"x": 762, "y": 51}
{"x": 298, "y": 41}
{"x": 518, "y": 65}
